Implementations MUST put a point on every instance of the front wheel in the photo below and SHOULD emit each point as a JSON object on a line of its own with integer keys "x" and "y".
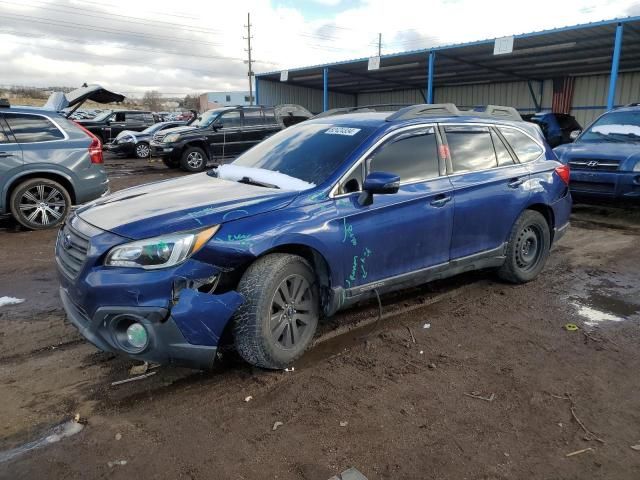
{"x": 142, "y": 150}
{"x": 40, "y": 203}
{"x": 193, "y": 159}
{"x": 528, "y": 248}
{"x": 277, "y": 321}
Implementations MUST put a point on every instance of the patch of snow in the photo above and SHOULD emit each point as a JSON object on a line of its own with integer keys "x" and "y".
{"x": 621, "y": 129}
{"x": 10, "y": 301}
{"x": 285, "y": 182}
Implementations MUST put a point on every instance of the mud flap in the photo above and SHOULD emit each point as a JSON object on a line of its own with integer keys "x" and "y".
{"x": 201, "y": 317}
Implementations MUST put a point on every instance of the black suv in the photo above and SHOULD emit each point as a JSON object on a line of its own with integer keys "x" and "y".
{"x": 107, "y": 125}
{"x": 222, "y": 133}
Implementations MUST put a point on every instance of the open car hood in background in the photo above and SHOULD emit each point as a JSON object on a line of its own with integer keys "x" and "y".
{"x": 58, "y": 101}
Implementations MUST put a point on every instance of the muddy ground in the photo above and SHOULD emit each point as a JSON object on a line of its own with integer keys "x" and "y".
{"x": 495, "y": 388}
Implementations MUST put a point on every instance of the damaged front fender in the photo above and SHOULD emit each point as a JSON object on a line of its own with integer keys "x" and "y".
{"x": 202, "y": 317}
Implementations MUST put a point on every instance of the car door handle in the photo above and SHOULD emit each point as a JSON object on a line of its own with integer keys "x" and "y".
{"x": 440, "y": 200}
{"x": 515, "y": 182}
{"x": 5, "y": 154}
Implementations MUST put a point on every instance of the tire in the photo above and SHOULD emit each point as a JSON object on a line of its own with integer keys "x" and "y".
{"x": 142, "y": 150}
{"x": 528, "y": 248}
{"x": 40, "y": 203}
{"x": 193, "y": 159}
{"x": 264, "y": 327}
{"x": 170, "y": 163}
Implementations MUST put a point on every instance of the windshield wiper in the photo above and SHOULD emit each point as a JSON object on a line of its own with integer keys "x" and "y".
{"x": 251, "y": 181}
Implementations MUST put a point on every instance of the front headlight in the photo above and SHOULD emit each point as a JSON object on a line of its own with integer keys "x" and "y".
{"x": 637, "y": 167}
{"x": 159, "y": 252}
{"x": 172, "y": 137}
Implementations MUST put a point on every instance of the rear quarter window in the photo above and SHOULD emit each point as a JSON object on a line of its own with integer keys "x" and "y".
{"x": 27, "y": 128}
{"x": 524, "y": 147}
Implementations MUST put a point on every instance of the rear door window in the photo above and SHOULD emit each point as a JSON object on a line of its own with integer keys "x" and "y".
{"x": 524, "y": 147}
{"x": 4, "y": 135}
{"x": 230, "y": 119}
{"x": 28, "y": 128}
{"x": 412, "y": 156}
{"x": 502, "y": 153}
{"x": 471, "y": 148}
{"x": 269, "y": 116}
{"x": 253, "y": 118}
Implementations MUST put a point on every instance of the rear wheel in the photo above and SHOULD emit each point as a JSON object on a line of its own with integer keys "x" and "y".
{"x": 142, "y": 150}
{"x": 193, "y": 159}
{"x": 528, "y": 248}
{"x": 40, "y": 203}
{"x": 278, "y": 319}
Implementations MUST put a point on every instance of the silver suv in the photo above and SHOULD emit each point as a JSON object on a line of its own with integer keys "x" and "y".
{"x": 47, "y": 164}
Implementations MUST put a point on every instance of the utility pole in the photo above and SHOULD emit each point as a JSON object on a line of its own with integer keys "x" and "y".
{"x": 380, "y": 44}
{"x": 248, "y": 50}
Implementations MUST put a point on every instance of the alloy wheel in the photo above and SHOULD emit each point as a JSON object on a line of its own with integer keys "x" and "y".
{"x": 195, "y": 160}
{"x": 291, "y": 311}
{"x": 42, "y": 205}
{"x": 142, "y": 150}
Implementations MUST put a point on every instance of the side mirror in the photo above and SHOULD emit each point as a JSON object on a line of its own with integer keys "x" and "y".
{"x": 574, "y": 134}
{"x": 381, "y": 183}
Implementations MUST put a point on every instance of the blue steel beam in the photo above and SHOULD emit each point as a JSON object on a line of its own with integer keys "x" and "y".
{"x": 432, "y": 59}
{"x": 325, "y": 89}
{"x": 615, "y": 63}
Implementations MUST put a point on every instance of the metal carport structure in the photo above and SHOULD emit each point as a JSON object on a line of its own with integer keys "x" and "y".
{"x": 610, "y": 47}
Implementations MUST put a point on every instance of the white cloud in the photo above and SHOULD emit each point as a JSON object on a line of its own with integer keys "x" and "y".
{"x": 179, "y": 48}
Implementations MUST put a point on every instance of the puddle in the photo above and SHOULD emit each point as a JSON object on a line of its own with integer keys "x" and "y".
{"x": 55, "y": 434}
{"x": 595, "y": 317}
{"x": 599, "y": 308}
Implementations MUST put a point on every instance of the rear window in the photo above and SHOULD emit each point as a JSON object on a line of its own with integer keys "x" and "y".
{"x": 308, "y": 151}
{"x": 524, "y": 147}
{"x": 471, "y": 148}
{"x": 28, "y": 128}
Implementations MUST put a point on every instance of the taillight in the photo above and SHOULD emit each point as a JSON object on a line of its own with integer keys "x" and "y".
{"x": 563, "y": 173}
{"x": 95, "y": 147}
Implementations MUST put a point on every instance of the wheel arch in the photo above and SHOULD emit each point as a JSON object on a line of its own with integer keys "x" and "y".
{"x": 55, "y": 176}
{"x": 196, "y": 142}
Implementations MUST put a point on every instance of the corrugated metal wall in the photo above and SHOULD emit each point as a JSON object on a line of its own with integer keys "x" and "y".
{"x": 589, "y": 97}
{"x": 274, "y": 93}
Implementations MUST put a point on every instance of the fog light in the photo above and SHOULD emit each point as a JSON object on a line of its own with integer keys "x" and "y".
{"x": 137, "y": 336}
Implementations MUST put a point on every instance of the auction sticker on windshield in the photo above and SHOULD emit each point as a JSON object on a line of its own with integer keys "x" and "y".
{"x": 342, "y": 131}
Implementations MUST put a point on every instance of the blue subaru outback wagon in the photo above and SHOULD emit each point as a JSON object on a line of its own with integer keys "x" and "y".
{"x": 315, "y": 218}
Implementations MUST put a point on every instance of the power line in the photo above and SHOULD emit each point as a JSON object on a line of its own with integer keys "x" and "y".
{"x": 181, "y": 54}
{"x": 106, "y": 15}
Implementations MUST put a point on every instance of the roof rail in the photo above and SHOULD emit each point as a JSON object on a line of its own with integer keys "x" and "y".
{"x": 449, "y": 109}
{"x": 633, "y": 104}
{"x": 4, "y": 103}
{"x": 424, "y": 110}
{"x": 365, "y": 108}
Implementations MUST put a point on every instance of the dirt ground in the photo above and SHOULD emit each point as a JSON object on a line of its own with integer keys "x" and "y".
{"x": 494, "y": 388}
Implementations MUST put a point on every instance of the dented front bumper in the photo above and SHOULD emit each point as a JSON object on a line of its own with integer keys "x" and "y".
{"x": 183, "y": 325}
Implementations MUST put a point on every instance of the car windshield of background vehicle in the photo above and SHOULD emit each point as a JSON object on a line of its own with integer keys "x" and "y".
{"x": 205, "y": 119}
{"x": 614, "y": 127}
{"x": 308, "y": 151}
{"x": 101, "y": 116}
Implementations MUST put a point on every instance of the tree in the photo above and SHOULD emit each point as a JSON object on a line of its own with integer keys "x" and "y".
{"x": 191, "y": 102}
{"x": 152, "y": 100}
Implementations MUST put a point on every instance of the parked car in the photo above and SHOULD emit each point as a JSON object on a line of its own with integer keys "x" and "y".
{"x": 107, "y": 125}
{"x": 315, "y": 218}
{"x": 222, "y": 133}
{"x": 605, "y": 158}
{"x": 556, "y": 127}
{"x": 129, "y": 142}
{"x": 47, "y": 164}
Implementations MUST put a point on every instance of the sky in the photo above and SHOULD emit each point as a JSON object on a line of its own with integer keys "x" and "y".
{"x": 194, "y": 46}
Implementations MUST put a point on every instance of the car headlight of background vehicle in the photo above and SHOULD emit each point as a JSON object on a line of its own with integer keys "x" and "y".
{"x": 172, "y": 137}
{"x": 159, "y": 252}
{"x": 637, "y": 167}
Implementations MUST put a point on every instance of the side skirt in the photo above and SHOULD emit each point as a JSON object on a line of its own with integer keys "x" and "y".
{"x": 342, "y": 298}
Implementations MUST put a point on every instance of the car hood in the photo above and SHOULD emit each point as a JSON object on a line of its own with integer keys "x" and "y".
{"x": 598, "y": 150}
{"x": 134, "y": 134}
{"x": 186, "y": 203}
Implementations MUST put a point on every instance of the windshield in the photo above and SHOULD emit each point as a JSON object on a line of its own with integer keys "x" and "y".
{"x": 308, "y": 151}
{"x": 102, "y": 116}
{"x": 614, "y": 127}
{"x": 205, "y": 119}
{"x": 154, "y": 128}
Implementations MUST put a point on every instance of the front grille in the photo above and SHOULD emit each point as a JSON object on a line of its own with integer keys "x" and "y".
{"x": 71, "y": 250}
{"x": 595, "y": 164}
